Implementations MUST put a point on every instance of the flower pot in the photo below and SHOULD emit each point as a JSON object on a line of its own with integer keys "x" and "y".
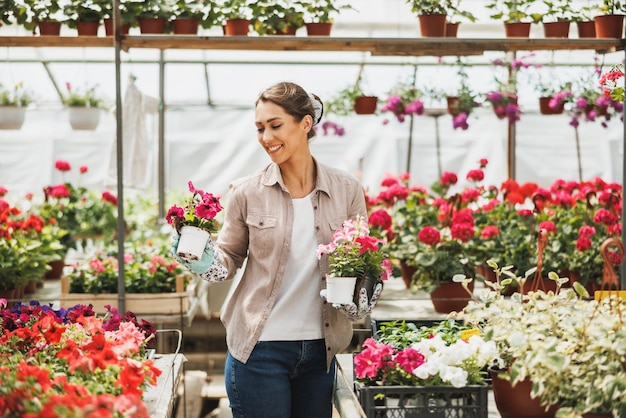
{"x": 31, "y": 287}
{"x": 609, "y": 26}
{"x": 56, "y": 269}
{"x": 87, "y": 28}
{"x": 192, "y": 242}
{"x": 452, "y": 30}
{"x": 237, "y": 27}
{"x": 545, "y": 109}
{"x": 433, "y": 25}
{"x": 586, "y": 29}
{"x": 369, "y": 283}
{"x": 84, "y": 118}
{"x": 289, "y": 30}
{"x": 152, "y": 25}
{"x": 407, "y": 273}
{"x": 453, "y": 105}
{"x": 517, "y": 29}
{"x": 185, "y": 26}
{"x": 318, "y": 29}
{"x": 450, "y": 296}
{"x": 49, "y": 28}
{"x": 515, "y": 401}
{"x": 365, "y": 105}
{"x": 556, "y": 29}
{"x": 12, "y": 117}
{"x": 108, "y": 27}
{"x": 340, "y": 289}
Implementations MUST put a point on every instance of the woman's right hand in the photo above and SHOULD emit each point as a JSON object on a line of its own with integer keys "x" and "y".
{"x": 200, "y": 266}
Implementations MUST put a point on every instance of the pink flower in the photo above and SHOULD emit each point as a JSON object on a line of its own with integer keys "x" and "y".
{"x": 476, "y": 175}
{"x": 62, "y": 165}
{"x": 380, "y": 218}
{"x": 109, "y": 197}
{"x": 489, "y": 232}
{"x": 83, "y": 169}
{"x": 429, "y": 235}
{"x": 409, "y": 359}
{"x": 548, "y": 226}
{"x": 448, "y": 179}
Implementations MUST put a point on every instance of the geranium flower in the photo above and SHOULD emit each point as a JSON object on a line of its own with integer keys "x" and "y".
{"x": 200, "y": 210}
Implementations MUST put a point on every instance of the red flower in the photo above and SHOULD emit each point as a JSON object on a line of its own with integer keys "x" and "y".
{"x": 429, "y": 235}
{"x": 3, "y": 191}
{"x": 448, "y": 179}
{"x": 462, "y": 231}
{"x": 83, "y": 169}
{"x": 62, "y": 165}
{"x": 109, "y": 197}
{"x": 603, "y": 216}
{"x": 548, "y": 226}
{"x": 380, "y": 218}
{"x": 583, "y": 244}
{"x": 476, "y": 175}
{"x": 489, "y": 232}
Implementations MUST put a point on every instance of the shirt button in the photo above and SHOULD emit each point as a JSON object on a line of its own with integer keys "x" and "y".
{"x": 317, "y": 228}
{"x": 261, "y": 223}
{"x": 315, "y": 207}
{"x": 327, "y": 325}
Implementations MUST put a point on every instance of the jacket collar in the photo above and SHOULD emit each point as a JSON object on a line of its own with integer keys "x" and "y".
{"x": 272, "y": 176}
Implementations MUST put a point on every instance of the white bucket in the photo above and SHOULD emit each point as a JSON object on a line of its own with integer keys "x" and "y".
{"x": 191, "y": 243}
{"x": 340, "y": 289}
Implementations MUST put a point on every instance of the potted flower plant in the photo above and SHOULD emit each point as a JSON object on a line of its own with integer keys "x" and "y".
{"x": 610, "y": 22}
{"x": 235, "y": 15}
{"x": 61, "y": 364}
{"x": 432, "y": 15}
{"x": 154, "y": 16}
{"x": 195, "y": 221}
{"x": 84, "y": 16}
{"x": 318, "y": 15}
{"x": 455, "y": 15}
{"x": 504, "y": 104}
{"x": 84, "y": 106}
{"x": 129, "y": 13}
{"x": 404, "y": 99}
{"x": 276, "y": 17}
{"x": 189, "y": 15}
{"x": 13, "y": 105}
{"x": 583, "y": 15}
{"x": 354, "y": 254}
{"x": 556, "y": 17}
{"x": 351, "y": 98}
{"x": 516, "y": 15}
{"x": 46, "y": 15}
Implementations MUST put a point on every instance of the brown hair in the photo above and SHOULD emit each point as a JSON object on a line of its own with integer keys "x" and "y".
{"x": 294, "y": 99}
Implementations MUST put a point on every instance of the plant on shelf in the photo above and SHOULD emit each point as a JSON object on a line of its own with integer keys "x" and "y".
{"x": 70, "y": 362}
{"x": 456, "y": 13}
{"x": 192, "y": 9}
{"x": 556, "y": 11}
{"x": 40, "y": 11}
{"x": 323, "y": 11}
{"x": 510, "y": 11}
{"x": 612, "y": 7}
{"x": 155, "y": 9}
{"x": 130, "y": 10}
{"x": 276, "y": 17}
{"x": 585, "y": 12}
{"x": 429, "y": 7}
{"x": 18, "y": 96}
{"x": 233, "y": 9}
{"x": 83, "y": 11}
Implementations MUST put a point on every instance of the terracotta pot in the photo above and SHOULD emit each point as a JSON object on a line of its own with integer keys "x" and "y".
{"x": 87, "y": 28}
{"x": 515, "y": 401}
{"x": 49, "y": 28}
{"x": 450, "y": 296}
{"x": 237, "y": 27}
{"x": 556, "y": 29}
{"x": 517, "y": 29}
{"x": 56, "y": 270}
{"x": 609, "y": 26}
{"x": 586, "y": 29}
{"x": 31, "y": 287}
{"x": 452, "y": 30}
{"x": 152, "y": 25}
{"x": 453, "y": 105}
{"x": 407, "y": 273}
{"x": 545, "y": 109}
{"x": 12, "y": 117}
{"x": 108, "y": 27}
{"x": 318, "y": 29}
{"x": 185, "y": 26}
{"x": 433, "y": 25}
{"x": 289, "y": 30}
{"x": 365, "y": 105}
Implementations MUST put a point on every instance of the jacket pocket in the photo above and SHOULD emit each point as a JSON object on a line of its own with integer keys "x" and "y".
{"x": 262, "y": 232}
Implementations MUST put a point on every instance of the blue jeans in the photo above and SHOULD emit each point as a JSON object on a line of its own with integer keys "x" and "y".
{"x": 281, "y": 379}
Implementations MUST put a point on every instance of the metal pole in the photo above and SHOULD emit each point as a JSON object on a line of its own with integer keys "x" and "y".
{"x": 161, "y": 157}
{"x": 121, "y": 227}
{"x": 623, "y": 265}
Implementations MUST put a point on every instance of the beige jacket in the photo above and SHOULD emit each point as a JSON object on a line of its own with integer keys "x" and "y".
{"x": 258, "y": 225}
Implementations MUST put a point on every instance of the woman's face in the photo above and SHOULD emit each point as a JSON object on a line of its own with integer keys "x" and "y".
{"x": 279, "y": 133}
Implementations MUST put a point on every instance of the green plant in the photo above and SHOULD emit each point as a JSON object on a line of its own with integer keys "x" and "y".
{"x": 18, "y": 96}
{"x": 155, "y": 9}
{"x": 83, "y": 11}
{"x": 429, "y": 7}
{"x": 511, "y": 10}
{"x": 586, "y": 12}
{"x": 342, "y": 103}
{"x": 191, "y": 9}
{"x": 40, "y": 11}
{"x": 276, "y": 16}
{"x": 557, "y": 11}
{"x": 455, "y": 13}
{"x": 76, "y": 97}
{"x": 611, "y": 7}
{"x": 11, "y": 12}
{"x": 322, "y": 11}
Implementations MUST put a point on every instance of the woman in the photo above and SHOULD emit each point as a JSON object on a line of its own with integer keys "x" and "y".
{"x": 282, "y": 336}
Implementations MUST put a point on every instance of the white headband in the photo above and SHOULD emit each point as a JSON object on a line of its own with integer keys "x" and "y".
{"x": 317, "y": 108}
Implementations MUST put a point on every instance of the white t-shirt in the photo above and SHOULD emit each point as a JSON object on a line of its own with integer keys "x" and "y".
{"x": 291, "y": 319}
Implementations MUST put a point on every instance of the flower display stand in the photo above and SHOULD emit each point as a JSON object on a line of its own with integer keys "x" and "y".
{"x": 423, "y": 401}
{"x": 176, "y": 303}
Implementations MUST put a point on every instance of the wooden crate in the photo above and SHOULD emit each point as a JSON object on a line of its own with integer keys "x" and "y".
{"x": 178, "y": 302}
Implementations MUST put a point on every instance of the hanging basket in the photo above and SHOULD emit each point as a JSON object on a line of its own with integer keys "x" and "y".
{"x": 12, "y": 117}
{"x": 84, "y": 118}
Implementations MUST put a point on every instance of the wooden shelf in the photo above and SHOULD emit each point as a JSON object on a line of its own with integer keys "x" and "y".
{"x": 375, "y": 46}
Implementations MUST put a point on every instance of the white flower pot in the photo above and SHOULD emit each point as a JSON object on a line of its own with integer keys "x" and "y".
{"x": 84, "y": 118}
{"x": 12, "y": 117}
{"x": 340, "y": 289}
{"x": 192, "y": 242}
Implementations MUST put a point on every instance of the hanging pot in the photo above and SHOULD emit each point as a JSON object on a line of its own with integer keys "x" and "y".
{"x": 84, "y": 118}
{"x": 237, "y": 27}
{"x": 12, "y": 117}
{"x": 318, "y": 29}
{"x": 185, "y": 26}
{"x": 609, "y": 26}
{"x": 517, "y": 29}
{"x": 545, "y": 109}
{"x": 87, "y": 28}
{"x": 586, "y": 29}
{"x": 365, "y": 105}
{"x": 433, "y": 25}
{"x": 556, "y": 29}
{"x": 450, "y": 296}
